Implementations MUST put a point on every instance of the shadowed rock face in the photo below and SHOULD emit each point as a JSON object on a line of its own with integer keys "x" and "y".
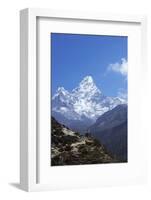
{"x": 71, "y": 148}
{"x": 111, "y": 130}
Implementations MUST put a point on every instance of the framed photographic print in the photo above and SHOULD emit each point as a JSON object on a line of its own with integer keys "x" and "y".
{"x": 82, "y": 78}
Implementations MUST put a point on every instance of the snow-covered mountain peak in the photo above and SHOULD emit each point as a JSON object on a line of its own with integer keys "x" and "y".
{"x": 85, "y": 102}
{"x": 87, "y": 79}
{"x": 86, "y": 87}
{"x": 61, "y": 90}
{"x": 87, "y": 82}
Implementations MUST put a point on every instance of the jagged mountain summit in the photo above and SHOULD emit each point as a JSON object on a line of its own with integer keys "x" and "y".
{"x": 81, "y": 107}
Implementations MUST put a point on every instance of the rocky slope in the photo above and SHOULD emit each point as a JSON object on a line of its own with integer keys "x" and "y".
{"x": 71, "y": 148}
{"x": 111, "y": 130}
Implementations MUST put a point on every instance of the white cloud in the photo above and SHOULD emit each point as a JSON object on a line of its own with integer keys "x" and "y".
{"x": 122, "y": 93}
{"x": 119, "y": 67}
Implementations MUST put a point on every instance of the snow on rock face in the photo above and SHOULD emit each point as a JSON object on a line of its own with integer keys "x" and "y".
{"x": 84, "y": 102}
{"x": 87, "y": 88}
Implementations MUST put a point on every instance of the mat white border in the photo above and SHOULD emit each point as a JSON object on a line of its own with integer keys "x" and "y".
{"x": 28, "y": 83}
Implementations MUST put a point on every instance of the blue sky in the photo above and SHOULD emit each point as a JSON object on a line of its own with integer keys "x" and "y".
{"x": 74, "y": 56}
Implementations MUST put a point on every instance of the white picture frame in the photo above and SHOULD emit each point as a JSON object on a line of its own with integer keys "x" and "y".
{"x": 29, "y": 149}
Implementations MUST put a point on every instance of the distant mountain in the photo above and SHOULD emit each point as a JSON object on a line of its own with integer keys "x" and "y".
{"x": 80, "y": 108}
{"x": 111, "y": 130}
{"x": 71, "y": 148}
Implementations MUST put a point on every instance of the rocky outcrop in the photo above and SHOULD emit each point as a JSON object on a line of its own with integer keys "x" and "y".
{"x": 71, "y": 148}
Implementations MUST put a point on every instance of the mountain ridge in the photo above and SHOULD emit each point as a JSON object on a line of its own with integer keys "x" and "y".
{"x": 111, "y": 130}
{"x": 84, "y": 104}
